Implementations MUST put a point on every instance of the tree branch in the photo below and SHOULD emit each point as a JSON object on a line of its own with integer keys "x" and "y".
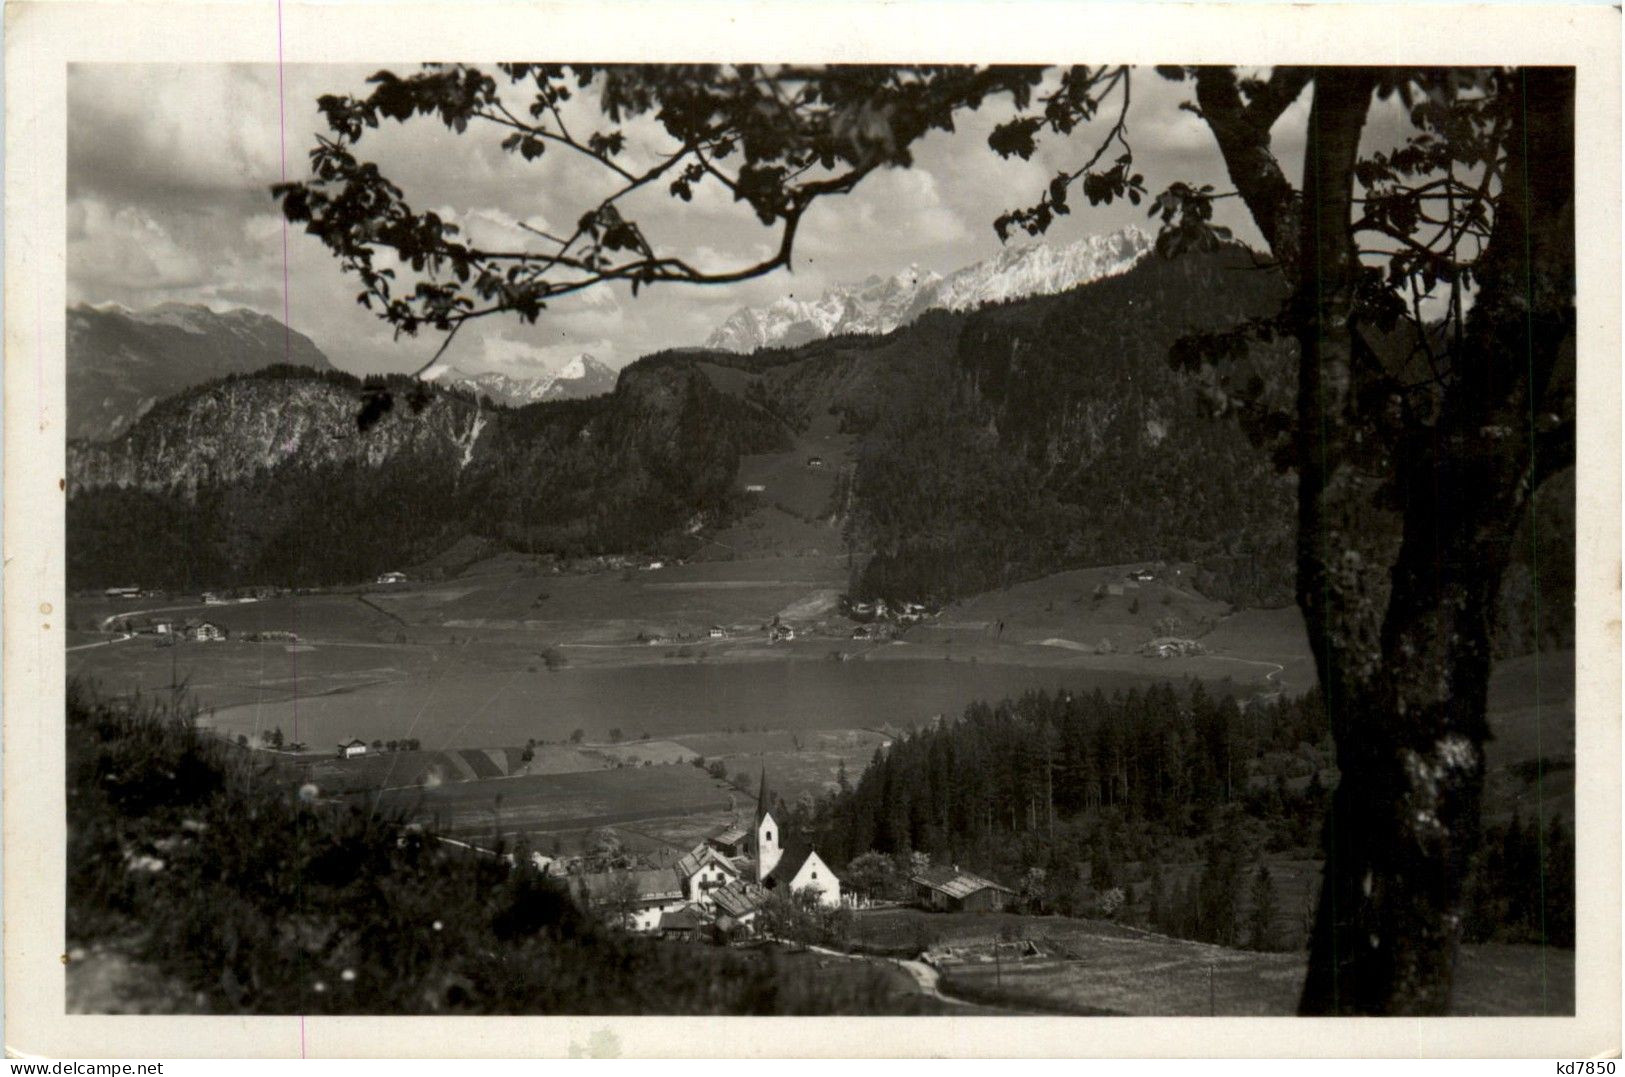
{"x": 1242, "y": 132}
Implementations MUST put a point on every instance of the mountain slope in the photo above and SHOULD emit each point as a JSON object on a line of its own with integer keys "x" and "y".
{"x": 270, "y": 478}
{"x": 122, "y": 362}
{"x": 879, "y": 305}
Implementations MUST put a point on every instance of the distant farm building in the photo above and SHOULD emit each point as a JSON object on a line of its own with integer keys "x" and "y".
{"x": 1144, "y": 575}
{"x": 391, "y": 577}
{"x": 781, "y": 634}
{"x": 206, "y": 632}
{"x": 1172, "y": 647}
{"x": 123, "y": 592}
{"x": 755, "y": 488}
{"x": 815, "y": 461}
{"x": 718, "y": 632}
{"x": 951, "y": 890}
{"x": 352, "y": 749}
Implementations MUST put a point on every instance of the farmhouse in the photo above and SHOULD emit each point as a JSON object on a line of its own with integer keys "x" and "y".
{"x": 1172, "y": 647}
{"x": 123, "y": 592}
{"x": 683, "y": 923}
{"x": 718, "y": 632}
{"x": 755, "y": 488}
{"x": 206, "y": 632}
{"x": 738, "y": 903}
{"x": 643, "y": 898}
{"x": 951, "y": 890}
{"x": 391, "y": 577}
{"x": 815, "y": 461}
{"x": 704, "y": 869}
{"x": 352, "y": 749}
{"x": 781, "y": 634}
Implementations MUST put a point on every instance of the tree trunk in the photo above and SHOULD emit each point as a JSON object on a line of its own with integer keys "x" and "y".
{"x": 1400, "y": 617}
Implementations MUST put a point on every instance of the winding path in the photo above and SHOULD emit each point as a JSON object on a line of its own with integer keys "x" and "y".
{"x": 926, "y": 978}
{"x": 1273, "y": 676}
{"x": 102, "y": 642}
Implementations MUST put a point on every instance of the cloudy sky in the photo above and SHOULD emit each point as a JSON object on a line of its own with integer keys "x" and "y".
{"x": 169, "y": 168}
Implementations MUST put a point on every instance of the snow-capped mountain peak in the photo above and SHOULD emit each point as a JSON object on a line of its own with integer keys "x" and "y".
{"x": 582, "y": 376}
{"x": 881, "y": 304}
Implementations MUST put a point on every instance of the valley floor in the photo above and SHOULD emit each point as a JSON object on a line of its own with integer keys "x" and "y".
{"x": 600, "y": 672}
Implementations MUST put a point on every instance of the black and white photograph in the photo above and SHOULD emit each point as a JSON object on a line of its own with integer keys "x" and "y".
{"x": 844, "y": 539}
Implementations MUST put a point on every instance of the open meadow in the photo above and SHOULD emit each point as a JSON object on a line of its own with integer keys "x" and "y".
{"x": 1095, "y": 966}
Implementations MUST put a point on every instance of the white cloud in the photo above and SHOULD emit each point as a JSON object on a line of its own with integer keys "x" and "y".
{"x": 170, "y": 165}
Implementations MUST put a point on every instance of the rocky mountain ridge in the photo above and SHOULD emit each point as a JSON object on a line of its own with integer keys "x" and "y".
{"x": 121, "y": 363}
{"x": 880, "y": 305}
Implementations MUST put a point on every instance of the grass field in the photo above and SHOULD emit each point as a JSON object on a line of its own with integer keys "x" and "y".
{"x": 1091, "y": 966}
{"x": 1159, "y": 977}
{"x": 543, "y": 803}
{"x": 798, "y": 763}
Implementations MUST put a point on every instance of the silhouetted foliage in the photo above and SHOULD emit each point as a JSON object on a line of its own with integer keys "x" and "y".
{"x": 238, "y": 895}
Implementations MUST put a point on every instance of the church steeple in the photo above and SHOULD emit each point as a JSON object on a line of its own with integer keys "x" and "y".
{"x": 766, "y": 841}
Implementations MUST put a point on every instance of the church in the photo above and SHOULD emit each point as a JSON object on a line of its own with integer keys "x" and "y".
{"x": 732, "y": 875}
{"x": 728, "y": 877}
{"x": 774, "y": 860}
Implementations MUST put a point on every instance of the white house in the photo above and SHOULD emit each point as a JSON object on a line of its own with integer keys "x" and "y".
{"x": 391, "y": 577}
{"x": 642, "y": 897}
{"x": 352, "y": 749}
{"x": 705, "y": 869}
{"x": 208, "y": 632}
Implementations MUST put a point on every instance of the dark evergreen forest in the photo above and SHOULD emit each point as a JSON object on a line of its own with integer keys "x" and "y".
{"x": 1163, "y": 807}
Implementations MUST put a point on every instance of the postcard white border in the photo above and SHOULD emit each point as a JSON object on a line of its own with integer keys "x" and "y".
{"x": 42, "y": 37}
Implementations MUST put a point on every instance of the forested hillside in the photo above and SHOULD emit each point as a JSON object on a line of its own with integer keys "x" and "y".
{"x": 1057, "y": 434}
{"x": 270, "y": 478}
{"x": 987, "y": 447}
{"x": 1156, "y": 807}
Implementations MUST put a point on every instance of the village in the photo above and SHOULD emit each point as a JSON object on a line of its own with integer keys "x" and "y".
{"x": 730, "y": 886}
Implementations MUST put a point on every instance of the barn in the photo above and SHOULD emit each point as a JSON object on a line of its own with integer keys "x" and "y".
{"x": 948, "y": 889}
